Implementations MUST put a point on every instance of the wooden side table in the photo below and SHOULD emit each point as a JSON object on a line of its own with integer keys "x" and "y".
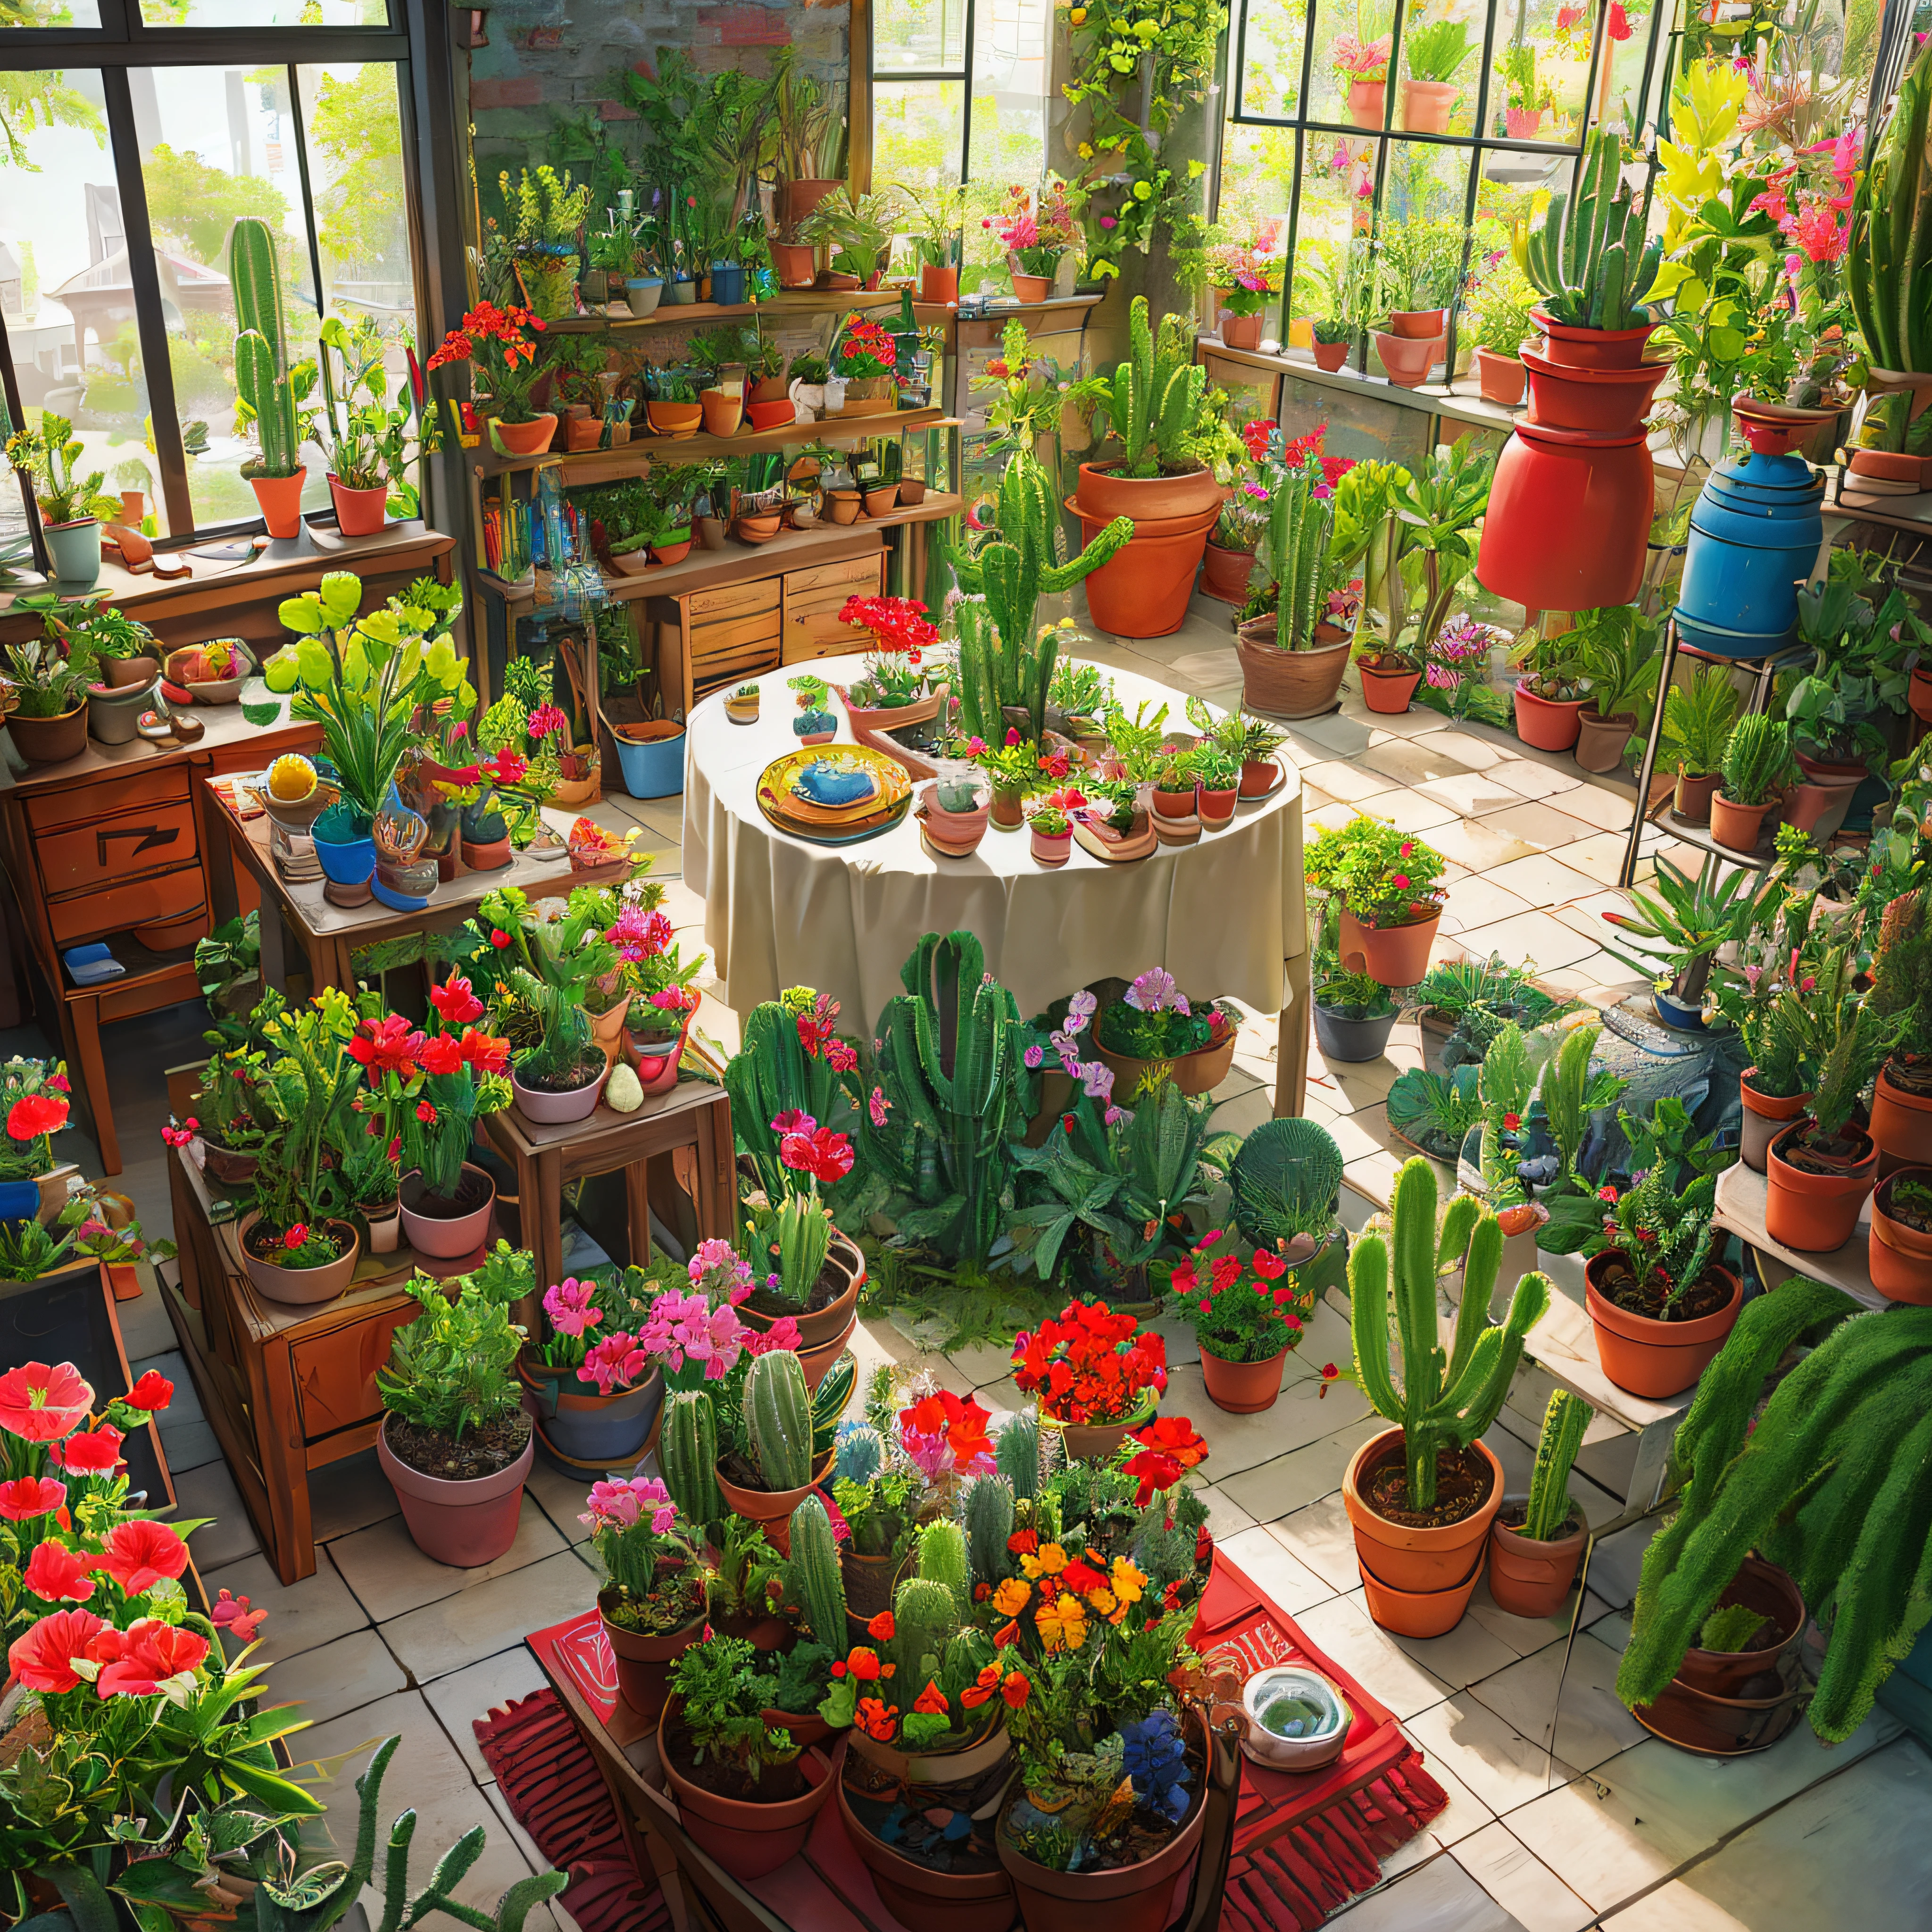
{"x": 692, "y": 1124}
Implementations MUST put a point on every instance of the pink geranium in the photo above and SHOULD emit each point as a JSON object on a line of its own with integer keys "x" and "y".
{"x": 685, "y": 1331}
{"x": 617, "y": 1362}
{"x": 571, "y": 1306}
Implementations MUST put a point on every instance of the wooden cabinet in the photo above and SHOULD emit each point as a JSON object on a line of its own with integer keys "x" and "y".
{"x": 813, "y": 599}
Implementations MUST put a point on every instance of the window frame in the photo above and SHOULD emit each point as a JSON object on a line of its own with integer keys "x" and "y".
{"x": 899, "y": 77}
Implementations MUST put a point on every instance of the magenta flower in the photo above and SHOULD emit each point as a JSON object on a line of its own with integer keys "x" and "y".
{"x": 878, "y": 1105}
{"x": 571, "y": 1306}
{"x": 617, "y": 1362}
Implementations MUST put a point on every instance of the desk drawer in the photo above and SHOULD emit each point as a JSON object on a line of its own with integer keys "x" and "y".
{"x": 99, "y": 856}
{"x": 735, "y": 600}
{"x": 81, "y": 805}
{"x": 335, "y": 1374}
{"x": 165, "y": 899}
{"x": 855, "y": 577}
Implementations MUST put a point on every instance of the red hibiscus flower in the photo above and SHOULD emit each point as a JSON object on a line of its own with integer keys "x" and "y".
{"x": 56, "y": 1573}
{"x": 139, "y": 1554}
{"x": 42, "y": 1657}
{"x": 92, "y": 1453}
{"x": 484, "y": 1053}
{"x": 1270, "y": 1267}
{"x": 153, "y": 1392}
{"x": 827, "y": 1156}
{"x": 40, "y": 1404}
{"x": 442, "y": 1054}
{"x": 33, "y": 1114}
{"x": 387, "y": 1046}
{"x": 233, "y": 1615}
{"x": 31, "y": 1496}
{"x": 456, "y": 1001}
{"x": 149, "y": 1654}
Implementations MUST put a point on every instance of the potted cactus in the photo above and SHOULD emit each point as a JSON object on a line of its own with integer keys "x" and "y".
{"x": 1293, "y": 660}
{"x": 270, "y": 390}
{"x": 1536, "y": 1543}
{"x": 71, "y": 505}
{"x": 767, "y": 1479}
{"x": 1421, "y": 1496}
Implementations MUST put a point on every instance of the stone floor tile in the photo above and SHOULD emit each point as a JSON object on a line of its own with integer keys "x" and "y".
{"x": 1224, "y": 1519}
{"x": 1459, "y": 1657}
{"x": 1345, "y": 736}
{"x": 1242, "y": 1116}
{"x": 1414, "y": 761}
{"x": 1461, "y": 748}
{"x": 1243, "y": 1442}
{"x": 1375, "y": 1175}
{"x": 1319, "y": 1538}
{"x": 1541, "y": 824}
{"x": 1410, "y": 811}
{"x": 1341, "y": 1628}
{"x": 1283, "y": 1484}
{"x": 1438, "y": 1896}
{"x": 1416, "y": 723}
{"x": 302, "y": 1616}
{"x": 1474, "y": 794}
{"x": 1504, "y": 1768}
{"x": 1529, "y": 779}
{"x": 1265, "y": 1561}
{"x": 550, "y": 1916}
{"x": 466, "y": 1695}
{"x": 145, "y": 1330}
{"x": 1529, "y": 935}
{"x": 1329, "y": 818}
{"x": 1586, "y": 915}
{"x": 1520, "y": 1882}
{"x": 1483, "y": 901}
{"x": 1603, "y": 808}
{"x": 210, "y": 1491}
{"x": 1592, "y": 1725}
{"x": 1544, "y": 880}
{"x": 335, "y": 1678}
{"x": 349, "y": 1496}
{"x": 1526, "y": 1636}
{"x": 1352, "y": 783}
{"x": 1475, "y": 844}
{"x": 1600, "y": 857}
{"x": 475, "y": 1622}
{"x": 390, "y": 1575}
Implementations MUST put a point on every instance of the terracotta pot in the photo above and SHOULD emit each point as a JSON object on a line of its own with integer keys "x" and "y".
{"x": 1655, "y": 1359}
{"x": 1500, "y": 377}
{"x": 644, "y": 1661}
{"x": 582, "y": 430}
{"x": 1217, "y": 808}
{"x": 796, "y": 265}
{"x": 680, "y": 422}
{"x": 959, "y": 832}
{"x": 880, "y": 501}
{"x": 823, "y": 1324}
{"x": 1407, "y": 360}
{"x": 772, "y": 415}
{"x": 1031, "y": 288}
{"x": 770, "y": 1508}
{"x": 750, "y": 1840}
{"x": 1368, "y": 102}
{"x": 1439, "y": 1564}
{"x": 938, "y": 285}
{"x": 1764, "y": 1114}
{"x": 1580, "y": 348}
{"x": 1143, "y": 592}
{"x": 1919, "y": 697}
{"x": 1816, "y": 1213}
{"x": 937, "y": 1767}
{"x": 1418, "y": 325}
{"x": 1225, "y": 573}
{"x": 842, "y": 506}
{"x": 1530, "y": 1578}
{"x": 1901, "y": 1257}
{"x": 526, "y": 438}
{"x": 607, "y": 1029}
{"x": 1765, "y": 1588}
{"x": 1200, "y": 1072}
{"x": 1008, "y": 810}
{"x": 1735, "y": 826}
{"x": 1389, "y": 692}
{"x": 547, "y": 1109}
{"x": 1086, "y": 1440}
{"x": 465, "y": 1525}
{"x": 1291, "y": 684}
{"x": 1600, "y": 740}
{"x": 1550, "y": 723}
{"x": 1258, "y": 777}
{"x": 1396, "y": 955}
{"x": 1425, "y": 105}
{"x": 1330, "y": 356}
{"x": 50, "y": 741}
{"x": 723, "y": 411}
{"x": 302, "y": 1287}
{"x": 490, "y": 856}
{"x": 121, "y": 674}
{"x": 916, "y": 1894}
{"x": 447, "y": 1238}
{"x": 614, "y": 1430}
{"x": 1104, "y": 494}
{"x": 1568, "y": 522}
{"x": 279, "y": 499}
{"x": 1242, "y": 331}
{"x": 1692, "y": 801}
{"x": 359, "y": 513}
{"x": 1052, "y": 848}
{"x": 1901, "y": 1126}
{"x": 1817, "y": 809}
{"x": 1605, "y": 402}
{"x": 1242, "y": 1388}
{"x": 227, "y": 1166}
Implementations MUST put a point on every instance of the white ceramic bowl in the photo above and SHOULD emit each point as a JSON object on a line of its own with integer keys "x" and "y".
{"x": 1304, "y": 1753}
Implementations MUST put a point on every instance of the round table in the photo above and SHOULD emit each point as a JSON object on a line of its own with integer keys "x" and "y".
{"x": 1224, "y": 915}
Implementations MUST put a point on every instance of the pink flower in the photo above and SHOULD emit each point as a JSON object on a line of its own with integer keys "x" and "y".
{"x": 686, "y": 1328}
{"x": 572, "y": 1307}
{"x": 617, "y": 1362}
{"x": 840, "y": 1057}
{"x": 545, "y": 721}
{"x": 782, "y": 1334}
{"x": 1400, "y": 882}
{"x": 233, "y": 1615}
{"x": 878, "y": 1105}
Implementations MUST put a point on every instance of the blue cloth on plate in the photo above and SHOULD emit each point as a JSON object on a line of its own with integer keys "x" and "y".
{"x": 822, "y": 783}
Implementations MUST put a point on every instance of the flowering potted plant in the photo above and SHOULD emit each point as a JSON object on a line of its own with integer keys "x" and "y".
{"x": 1246, "y": 1314}
{"x": 1034, "y": 239}
{"x": 1051, "y": 825}
{"x": 864, "y": 358}
{"x": 455, "y": 1443}
{"x": 901, "y": 635}
{"x": 1245, "y": 277}
{"x": 501, "y": 344}
{"x": 1361, "y": 71}
{"x": 1094, "y": 1376}
{"x": 598, "y": 1391}
{"x": 1229, "y": 561}
{"x": 1014, "y": 769}
{"x": 1153, "y": 1032}
{"x": 1390, "y": 904}
{"x": 653, "y": 1608}
{"x": 553, "y": 960}
{"x": 34, "y": 1107}
{"x": 71, "y": 506}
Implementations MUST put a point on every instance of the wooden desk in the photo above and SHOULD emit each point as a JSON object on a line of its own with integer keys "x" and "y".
{"x": 692, "y": 1124}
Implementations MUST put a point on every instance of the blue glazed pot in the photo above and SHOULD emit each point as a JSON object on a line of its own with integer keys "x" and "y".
{"x": 1676, "y": 1013}
{"x": 612, "y": 1429}
{"x": 1755, "y": 533}
{"x": 349, "y": 864}
{"x": 654, "y": 768}
{"x": 728, "y": 283}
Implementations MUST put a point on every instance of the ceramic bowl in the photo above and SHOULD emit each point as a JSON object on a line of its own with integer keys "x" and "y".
{"x": 1322, "y": 1746}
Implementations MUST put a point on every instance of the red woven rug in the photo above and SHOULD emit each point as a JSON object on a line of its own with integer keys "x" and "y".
{"x": 1304, "y": 1846}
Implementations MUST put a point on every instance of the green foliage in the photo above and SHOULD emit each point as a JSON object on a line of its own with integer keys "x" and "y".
{"x": 1435, "y": 1110}
{"x": 772, "y": 1074}
{"x": 861, "y": 1454}
{"x": 1620, "y": 659}
{"x": 721, "y": 1698}
{"x": 1157, "y": 396}
{"x": 1589, "y": 258}
{"x": 453, "y": 1368}
{"x": 269, "y": 387}
{"x": 816, "y": 1581}
{"x": 988, "y": 1514}
{"x": 1297, "y": 551}
{"x": 1730, "y": 1628}
{"x": 1550, "y": 1507}
{"x": 777, "y": 1420}
{"x": 49, "y": 454}
{"x": 1757, "y": 761}
{"x": 1698, "y": 715}
{"x": 1016, "y": 1452}
{"x": 1443, "y": 1398}
{"x": 1890, "y": 250}
{"x": 1683, "y": 921}
{"x": 1287, "y": 1179}
{"x": 688, "y": 1454}
{"x": 942, "y": 1559}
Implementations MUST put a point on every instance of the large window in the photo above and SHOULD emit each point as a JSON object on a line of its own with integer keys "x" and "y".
{"x": 133, "y": 133}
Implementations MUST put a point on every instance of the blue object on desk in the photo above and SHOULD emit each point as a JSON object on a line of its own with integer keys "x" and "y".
{"x": 89, "y": 965}
{"x": 19, "y": 1201}
{"x": 823, "y": 783}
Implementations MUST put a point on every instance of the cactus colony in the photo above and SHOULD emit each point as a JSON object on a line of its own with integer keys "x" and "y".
{"x": 1444, "y": 1400}
{"x": 262, "y": 377}
{"x": 1158, "y": 393}
{"x": 816, "y": 1579}
{"x": 777, "y": 1420}
{"x": 1589, "y": 258}
{"x": 942, "y": 1559}
{"x": 688, "y": 1454}
{"x": 1549, "y": 1508}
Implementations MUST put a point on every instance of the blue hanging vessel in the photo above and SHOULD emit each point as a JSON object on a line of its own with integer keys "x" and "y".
{"x": 1755, "y": 534}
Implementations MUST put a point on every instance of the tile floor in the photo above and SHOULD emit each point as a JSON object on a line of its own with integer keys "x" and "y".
{"x": 1563, "y": 1813}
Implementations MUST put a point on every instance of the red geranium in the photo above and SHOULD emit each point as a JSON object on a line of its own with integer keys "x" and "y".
{"x": 153, "y": 1392}
{"x": 456, "y": 1001}
{"x": 40, "y": 1404}
{"x": 92, "y": 1453}
{"x": 387, "y": 1046}
{"x": 33, "y": 1114}
{"x": 1089, "y": 1365}
{"x": 898, "y": 624}
{"x": 55, "y": 1573}
{"x": 30, "y": 1496}
{"x": 139, "y": 1555}
{"x": 138, "y": 1660}
{"x": 442, "y": 1054}
{"x": 42, "y": 1657}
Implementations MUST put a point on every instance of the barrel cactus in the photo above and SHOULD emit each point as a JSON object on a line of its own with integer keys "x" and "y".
{"x": 862, "y": 1455}
{"x": 816, "y": 1581}
{"x": 989, "y": 1522}
{"x": 1017, "y": 1454}
{"x": 1286, "y": 1180}
{"x": 925, "y": 1620}
{"x": 777, "y": 1420}
{"x": 942, "y": 1559}
{"x": 688, "y": 1454}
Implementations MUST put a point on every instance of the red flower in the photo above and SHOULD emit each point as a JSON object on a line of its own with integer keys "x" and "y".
{"x": 1618, "y": 26}
{"x": 386, "y": 1046}
{"x": 827, "y": 1156}
{"x": 148, "y": 1654}
{"x": 1024, "y": 1543}
{"x": 878, "y": 1720}
{"x": 484, "y": 1053}
{"x": 865, "y": 1664}
{"x": 33, "y": 1114}
{"x": 1173, "y": 1435}
{"x": 932, "y": 1701}
{"x": 1606, "y": 1193}
{"x": 426, "y": 1113}
{"x": 56, "y": 1573}
{"x": 456, "y": 1001}
{"x": 153, "y": 1392}
{"x": 42, "y": 1657}
{"x": 179, "y": 1137}
{"x": 233, "y": 1615}
{"x": 1015, "y": 1688}
{"x": 295, "y": 1236}
{"x": 1270, "y": 1267}
{"x": 30, "y": 1496}
{"x": 881, "y": 1627}
{"x": 139, "y": 1555}
{"x": 39, "y": 1404}
{"x": 442, "y": 1054}
{"x": 499, "y": 938}
{"x": 1511, "y": 1122}
{"x": 92, "y": 1453}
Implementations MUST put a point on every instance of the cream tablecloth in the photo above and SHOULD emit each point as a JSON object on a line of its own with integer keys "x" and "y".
{"x": 1224, "y": 915}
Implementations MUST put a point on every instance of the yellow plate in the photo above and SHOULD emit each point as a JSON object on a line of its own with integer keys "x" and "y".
{"x": 779, "y": 801}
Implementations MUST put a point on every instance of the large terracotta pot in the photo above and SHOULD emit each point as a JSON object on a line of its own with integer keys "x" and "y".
{"x": 1434, "y": 1570}
{"x": 1242, "y": 1388}
{"x": 749, "y": 1840}
{"x": 1816, "y": 1213}
{"x": 1600, "y": 740}
{"x": 526, "y": 439}
{"x": 1396, "y": 955}
{"x": 1104, "y": 494}
{"x": 644, "y": 1661}
{"x": 677, "y": 421}
{"x": 1500, "y": 378}
{"x": 1592, "y": 348}
{"x": 1368, "y": 102}
{"x": 1736, "y": 826}
{"x": 303, "y": 1287}
{"x": 1568, "y": 520}
{"x": 465, "y": 1525}
{"x": 1418, "y": 325}
{"x": 1225, "y": 573}
{"x": 1289, "y": 684}
{"x": 445, "y": 1238}
{"x": 1530, "y": 1578}
{"x": 1901, "y": 1125}
{"x": 1143, "y": 591}
{"x": 1655, "y": 1359}
{"x": 797, "y": 199}
{"x": 1426, "y": 104}
{"x": 1407, "y": 360}
{"x": 1605, "y": 402}
{"x": 279, "y": 500}
{"x": 916, "y": 1894}
{"x": 1764, "y": 1115}
{"x": 1901, "y": 1257}
{"x": 771, "y": 1509}
{"x": 1550, "y": 723}
{"x": 1389, "y": 692}
{"x": 1769, "y": 1591}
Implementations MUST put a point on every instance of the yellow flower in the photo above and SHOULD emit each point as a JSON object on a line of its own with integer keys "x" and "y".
{"x": 1062, "y": 1624}
{"x": 1128, "y": 1583}
{"x": 1079, "y": 14}
{"x": 1104, "y": 1601}
{"x": 1143, "y": 191}
{"x": 1011, "y": 1597}
{"x": 1086, "y": 150}
{"x": 1050, "y": 1561}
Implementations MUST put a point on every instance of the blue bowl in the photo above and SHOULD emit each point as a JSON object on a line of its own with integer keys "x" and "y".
{"x": 655, "y": 769}
{"x": 348, "y": 864}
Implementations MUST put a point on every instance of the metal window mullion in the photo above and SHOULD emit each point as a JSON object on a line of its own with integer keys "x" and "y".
{"x": 150, "y": 325}
{"x": 301, "y": 173}
{"x": 16, "y": 417}
{"x": 969, "y": 48}
{"x": 32, "y": 49}
{"x": 1472, "y": 185}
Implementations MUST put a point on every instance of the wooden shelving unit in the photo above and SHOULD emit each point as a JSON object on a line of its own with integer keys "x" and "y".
{"x": 789, "y": 302}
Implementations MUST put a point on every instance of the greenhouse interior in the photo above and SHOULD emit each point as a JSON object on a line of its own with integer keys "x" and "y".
{"x": 1164, "y": 1249}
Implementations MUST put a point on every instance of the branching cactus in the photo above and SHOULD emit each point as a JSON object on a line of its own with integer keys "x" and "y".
{"x": 688, "y": 1454}
{"x": 262, "y": 377}
{"x": 1017, "y": 1454}
{"x": 924, "y": 1620}
{"x": 1295, "y": 552}
{"x": 942, "y": 1559}
{"x": 818, "y": 1583}
{"x": 1158, "y": 393}
{"x": 777, "y": 1420}
{"x": 989, "y": 1522}
{"x": 1550, "y": 1507}
{"x": 1444, "y": 1400}
{"x": 1013, "y": 569}
{"x": 1589, "y": 258}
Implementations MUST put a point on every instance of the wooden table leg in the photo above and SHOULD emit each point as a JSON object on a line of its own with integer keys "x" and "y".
{"x": 86, "y": 1011}
{"x": 278, "y": 1417}
{"x": 637, "y": 1208}
{"x": 1291, "y": 1052}
{"x": 274, "y": 947}
{"x": 545, "y": 1239}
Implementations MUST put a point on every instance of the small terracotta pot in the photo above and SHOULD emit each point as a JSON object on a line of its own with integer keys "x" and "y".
{"x": 1816, "y": 1213}
{"x": 677, "y": 421}
{"x": 1901, "y": 1257}
{"x": 1086, "y": 1440}
{"x": 938, "y": 285}
{"x": 1242, "y": 1388}
{"x": 582, "y": 430}
{"x": 1008, "y": 810}
{"x": 1368, "y": 102}
{"x": 1330, "y": 356}
{"x": 1530, "y": 1578}
{"x": 1225, "y": 573}
{"x": 443, "y": 1238}
{"x": 796, "y": 266}
{"x": 279, "y": 499}
{"x": 1389, "y": 692}
{"x": 1425, "y": 105}
{"x": 359, "y": 513}
{"x": 1576, "y": 347}
{"x": 1258, "y": 777}
{"x": 1901, "y": 1125}
{"x": 834, "y": 1319}
{"x": 1818, "y": 809}
{"x": 465, "y": 1525}
{"x": 1735, "y": 826}
{"x": 644, "y": 1661}
{"x": 1764, "y": 1115}
{"x": 1919, "y": 697}
{"x": 1694, "y": 791}
{"x": 302, "y": 1287}
{"x": 1406, "y": 360}
{"x": 723, "y": 410}
{"x": 1399, "y": 1564}
{"x": 1655, "y": 1359}
{"x": 1600, "y": 740}
{"x": 1241, "y": 332}
{"x": 526, "y": 438}
{"x": 490, "y": 856}
{"x": 1417, "y": 324}
{"x": 771, "y": 1509}
{"x": 1550, "y": 723}
{"x": 1052, "y": 848}
{"x": 1762, "y": 1587}
{"x": 916, "y": 1893}
{"x": 883, "y": 498}
{"x": 50, "y": 741}
{"x": 1031, "y": 288}
{"x": 1499, "y": 377}
{"x": 959, "y": 832}
{"x": 1397, "y": 956}
{"x": 750, "y": 1840}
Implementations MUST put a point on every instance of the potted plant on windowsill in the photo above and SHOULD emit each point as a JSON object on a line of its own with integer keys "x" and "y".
{"x": 1249, "y": 278}
{"x": 1118, "y": 1375}
{"x": 71, "y": 506}
{"x": 860, "y": 232}
{"x": 653, "y": 1608}
{"x": 366, "y": 438}
{"x": 1361, "y": 76}
{"x": 1698, "y": 715}
{"x": 273, "y": 391}
{"x": 1757, "y": 767}
{"x": 454, "y": 1443}
{"x": 1247, "y": 1313}
{"x": 1536, "y": 1545}
{"x": 1391, "y": 905}
{"x": 1034, "y": 233}
{"x": 502, "y": 346}
{"x": 1434, "y": 53}
{"x": 810, "y": 125}
{"x": 1496, "y": 321}
{"x": 939, "y": 241}
{"x": 1620, "y": 661}
{"x": 48, "y": 721}
{"x": 1901, "y": 1108}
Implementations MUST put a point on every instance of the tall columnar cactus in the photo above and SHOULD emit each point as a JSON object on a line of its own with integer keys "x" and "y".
{"x": 861, "y": 1454}
{"x": 1589, "y": 258}
{"x": 771, "y": 1074}
{"x": 778, "y": 1420}
{"x": 1890, "y": 248}
{"x": 1012, "y": 662}
{"x": 942, "y": 1559}
{"x": 688, "y": 1454}
{"x": 1017, "y": 1454}
{"x": 262, "y": 378}
{"x": 1295, "y": 552}
{"x": 949, "y": 1061}
{"x": 816, "y": 1580}
{"x": 1549, "y": 1507}
{"x": 925, "y": 1620}
{"x": 1288, "y": 1173}
{"x": 1444, "y": 1400}
{"x": 989, "y": 1522}
{"x": 1158, "y": 393}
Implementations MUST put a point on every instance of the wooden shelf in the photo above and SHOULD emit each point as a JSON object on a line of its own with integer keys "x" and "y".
{"x": 790, "y": 302}
{"x": 1740, "y": 1208}
{"x": 605, "y": 466}
{"x": 709, "y": 569}
{"x": 932, "y": 312}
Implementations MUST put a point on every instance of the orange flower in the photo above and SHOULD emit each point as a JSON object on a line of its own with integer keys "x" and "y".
{"x": 932, "y": 1701}
{"x": 881, "y": 1627}
{"x": 865, "y": 1664}
{"x": 1006, "y": 1634}
{"x": 1015, "y": 1688}
{"x": 877, "y": 1721}
{"x": 1050, "y": 1561}
{"x": 1062, "y": 1624}
{"x": 1011, "y": 1597}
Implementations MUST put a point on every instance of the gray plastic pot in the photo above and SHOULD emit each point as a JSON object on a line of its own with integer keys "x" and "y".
{"x": 1351, "y": 1041}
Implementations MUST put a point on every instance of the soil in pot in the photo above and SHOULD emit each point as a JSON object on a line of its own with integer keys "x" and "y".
{"x": 1463, "y": 1481}
{"x": 1814, "y": 1194}
{"x": 1419, "y": 1572}
{"x": 481, "y": 1452}
{"x": 1642, "y": 1349}
{"x": 1901, "y": 1244}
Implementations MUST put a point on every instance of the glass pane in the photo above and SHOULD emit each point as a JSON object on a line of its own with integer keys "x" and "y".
{"x": 1441, "y": 70}
{"x": 1257, "y": 176}
{"x": 1271, "y": 71}
{"x": 1538, "y": 70}
{"x": 218, "y": 143}
{"x": 1348, "y": 77}
{"x": 50, "y": 13}
{"x": 915, "y": 34}
{"x": 265, "y": 13}
{"x": 916, "y": 126}
{"x": 64, "y": 287}
{"x": 1010, "y": 84}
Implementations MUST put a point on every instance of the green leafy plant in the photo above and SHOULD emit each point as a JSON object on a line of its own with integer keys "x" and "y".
{"x": 46, "y": 684}
{"x": 1757, "y": 761}
{"x": 1886, "y": 259}
{"x": 1730, "y": 1628}
{"x": 452, "y": 1370}
{"x": 1436, "y": 52}
{"x": 1620, "y": 660}
{"x": 1677, "y": 929}
{"x": 1589, "y": 258}
{"x": 1155, "y": 401}
{"x": 1664, "y": 1235}
{"x": 1285, "y": 1180}
{"x": 1698, "y": 715}
{"x": 49, "y": 455}
{"x": 722, "y": 1697}
{"x": 1380, "y": 873}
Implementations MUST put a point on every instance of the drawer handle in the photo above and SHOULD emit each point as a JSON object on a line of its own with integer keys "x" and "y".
{"x": 149, "y": 834}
